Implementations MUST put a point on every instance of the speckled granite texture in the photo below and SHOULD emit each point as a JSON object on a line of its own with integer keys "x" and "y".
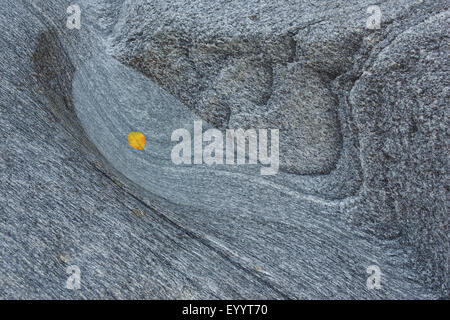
{"x": 363, "y": 119}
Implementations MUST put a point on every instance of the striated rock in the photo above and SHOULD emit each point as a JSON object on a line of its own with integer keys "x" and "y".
{"x": 322, "y": 77}
{"x": 362, "y": 117}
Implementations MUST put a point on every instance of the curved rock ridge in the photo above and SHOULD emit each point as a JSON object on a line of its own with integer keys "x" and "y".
{"x": 363, "y": 150}
{"x": 304, "y": 67}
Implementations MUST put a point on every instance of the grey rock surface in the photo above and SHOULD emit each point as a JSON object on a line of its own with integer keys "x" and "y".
{"x": 363, "y": 118}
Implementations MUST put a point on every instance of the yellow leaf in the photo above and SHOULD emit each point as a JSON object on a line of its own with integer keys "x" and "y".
{"x": 136, "y": 140}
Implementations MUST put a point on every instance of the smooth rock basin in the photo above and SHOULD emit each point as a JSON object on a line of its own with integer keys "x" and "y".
{"x": 74, "y": 192}
{"x": 111, "y": 100}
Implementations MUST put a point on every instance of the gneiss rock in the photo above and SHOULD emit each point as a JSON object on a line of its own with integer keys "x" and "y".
{"x": 316, "y": 72}
{"x": 362, "y": 126}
